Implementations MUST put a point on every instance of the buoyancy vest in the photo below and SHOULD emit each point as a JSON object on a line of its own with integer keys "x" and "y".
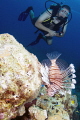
{"x": 56, "y": 27}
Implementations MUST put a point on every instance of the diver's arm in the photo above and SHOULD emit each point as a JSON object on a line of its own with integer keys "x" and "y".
{"x": 41, "y": 18}
{"x": 62, "y": 33}
{"x": 39, "y": 21}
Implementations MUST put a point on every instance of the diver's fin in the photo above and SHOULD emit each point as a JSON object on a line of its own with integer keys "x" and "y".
{"x": 23, "y": 15}
{"x": 36, "y": 41}
{"x": 33, "y": 43}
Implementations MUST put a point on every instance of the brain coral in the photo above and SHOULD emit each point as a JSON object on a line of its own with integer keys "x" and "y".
{"x": 20, "y": 77}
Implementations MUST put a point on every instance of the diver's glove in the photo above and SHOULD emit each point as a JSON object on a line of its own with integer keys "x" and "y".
{"x": 24, "y": 14}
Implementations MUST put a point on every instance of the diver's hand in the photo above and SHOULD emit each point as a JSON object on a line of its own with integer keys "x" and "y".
{"x": 51, "y": 33}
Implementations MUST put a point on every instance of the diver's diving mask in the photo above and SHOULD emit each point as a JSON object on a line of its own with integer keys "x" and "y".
{"x": 66, "y": 13}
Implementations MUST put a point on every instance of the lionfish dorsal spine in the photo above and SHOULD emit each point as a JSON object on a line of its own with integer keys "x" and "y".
{"x": 53, "y": 55}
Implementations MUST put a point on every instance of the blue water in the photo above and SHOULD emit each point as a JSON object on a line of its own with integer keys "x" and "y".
{"x": 69, "y": 45}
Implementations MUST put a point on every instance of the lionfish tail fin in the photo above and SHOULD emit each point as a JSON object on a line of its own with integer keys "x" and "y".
{"x": 53, "y": 55}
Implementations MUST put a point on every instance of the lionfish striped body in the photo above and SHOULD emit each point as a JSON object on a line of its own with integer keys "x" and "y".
{"x": 57, "y": 75}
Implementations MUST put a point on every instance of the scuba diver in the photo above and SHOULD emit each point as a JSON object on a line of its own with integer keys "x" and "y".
{"x": 52, "y": 22}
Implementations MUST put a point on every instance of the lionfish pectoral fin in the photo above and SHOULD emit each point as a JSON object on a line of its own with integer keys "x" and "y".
{"x": 46, "y": 62}
{"x": 53, "y": 55}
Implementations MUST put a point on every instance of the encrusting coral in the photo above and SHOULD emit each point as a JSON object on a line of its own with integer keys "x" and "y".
{"x": 20, "y": 77}
{"x": 37, "y": 114}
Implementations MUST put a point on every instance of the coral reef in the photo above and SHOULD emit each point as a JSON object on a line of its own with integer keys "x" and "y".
{"x": 58, "y": 107}
{"x": 20, "y": 77}
{"x": 44, "y": 91}
{"x": 56, "y": 92}
{"x": 37, "y": 114}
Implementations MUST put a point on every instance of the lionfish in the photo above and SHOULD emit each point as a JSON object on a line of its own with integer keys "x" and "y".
{"x": 55, "y": 76}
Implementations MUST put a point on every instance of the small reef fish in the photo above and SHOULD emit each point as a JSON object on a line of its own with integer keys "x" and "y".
{"x": 60, "y": 78}
{"x": 72, "y": 102}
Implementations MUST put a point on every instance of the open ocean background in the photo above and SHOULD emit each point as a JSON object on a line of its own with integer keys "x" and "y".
{"x": 69, "y": 45}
